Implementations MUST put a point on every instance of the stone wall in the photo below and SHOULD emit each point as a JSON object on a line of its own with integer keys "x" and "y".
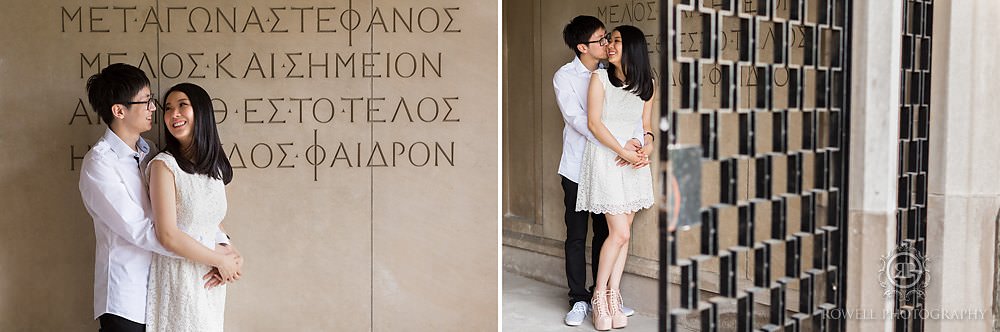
{"x": 363, "y": 136}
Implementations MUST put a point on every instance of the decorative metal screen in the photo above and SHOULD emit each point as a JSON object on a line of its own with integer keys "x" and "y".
{"x": 914, "y": 122}
{"x": 760, "y": 86}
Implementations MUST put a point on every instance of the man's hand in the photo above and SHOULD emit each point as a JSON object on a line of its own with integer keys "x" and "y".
{"x": 635, "y": 145}
{"x": 646, "y": 151}
{"x": 214, "y": 277}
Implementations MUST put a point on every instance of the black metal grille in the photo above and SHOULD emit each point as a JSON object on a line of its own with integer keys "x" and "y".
{"x": 760, "y": 87}
{"x": 914, "y": 123}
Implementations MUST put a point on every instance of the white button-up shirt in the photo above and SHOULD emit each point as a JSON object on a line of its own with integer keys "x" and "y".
{"x": 571, "y": 83}
{"x": 115, "y": 195}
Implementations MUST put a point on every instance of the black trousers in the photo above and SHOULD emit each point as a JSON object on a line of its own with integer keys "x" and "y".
{"x": 115, "y": 323}
{"x": 576, "y": 244}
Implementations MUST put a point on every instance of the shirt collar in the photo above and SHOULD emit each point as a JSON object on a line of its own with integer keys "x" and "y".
{"x": 583, "y": 69}
{"x": 121, "y": 149}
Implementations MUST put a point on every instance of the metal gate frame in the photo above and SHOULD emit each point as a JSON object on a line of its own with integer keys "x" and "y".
{"x": 824, "y": 284}
{"x": 911, "y": 190}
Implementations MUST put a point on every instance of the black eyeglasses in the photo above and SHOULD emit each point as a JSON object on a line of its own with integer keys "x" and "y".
{"x": 150, "y": 104}
{"x": 603, "y": 41}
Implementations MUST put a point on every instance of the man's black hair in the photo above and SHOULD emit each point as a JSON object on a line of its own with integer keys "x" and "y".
{"x": 116, "y": 84}
{"x": 578, "y": 31}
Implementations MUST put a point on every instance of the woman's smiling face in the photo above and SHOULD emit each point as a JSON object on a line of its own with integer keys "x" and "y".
{"x": 178, "y": 114}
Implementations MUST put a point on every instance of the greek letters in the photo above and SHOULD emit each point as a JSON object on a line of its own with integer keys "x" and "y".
{"x": 344, "y": 110}
{"x": 353, "y": 117}
{"x": 285, "y": 65}
{"x": 251, "y": 19}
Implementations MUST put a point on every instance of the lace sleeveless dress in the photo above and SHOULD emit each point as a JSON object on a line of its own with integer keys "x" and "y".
{"x": 605, "y": 187}
{"x": 177, "y": 299}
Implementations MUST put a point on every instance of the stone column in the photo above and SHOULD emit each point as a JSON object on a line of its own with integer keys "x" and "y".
{"x": 873, "y": 157}
{"x": 964, "y": 187}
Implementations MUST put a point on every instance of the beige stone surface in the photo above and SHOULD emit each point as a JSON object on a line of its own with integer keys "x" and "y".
{"x": 964, "y": 199}
{"x": 873, "y": 162}
{"x": 871, "y": 236}
{"x": 963, "y": 95}
{"x": 336, "y": 246}
{"x": 432, "y": 271}
{"x": 963, "y": 231}
{"x": 875, "y": 130}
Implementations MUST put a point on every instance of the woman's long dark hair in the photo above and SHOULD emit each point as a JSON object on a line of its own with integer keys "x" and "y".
{"x": 635, "y": 59}
{"x": 206, "y": 148}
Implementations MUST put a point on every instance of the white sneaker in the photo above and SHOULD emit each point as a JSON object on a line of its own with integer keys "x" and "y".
{"x": 575, "y": 316}
{"x": 627, "y": 311}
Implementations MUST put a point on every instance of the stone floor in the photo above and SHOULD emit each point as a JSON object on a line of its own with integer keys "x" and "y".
{"x": 530, "y": 306}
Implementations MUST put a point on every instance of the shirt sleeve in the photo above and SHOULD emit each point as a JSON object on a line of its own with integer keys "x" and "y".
{"x": 221, "y": 237}
{"x": 574, "y": 114}
{"x": 109, "y": 202}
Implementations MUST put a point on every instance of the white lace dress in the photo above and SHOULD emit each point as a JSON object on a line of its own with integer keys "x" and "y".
{"x": 605, "y": 187}
{"x": 177, "y": 299}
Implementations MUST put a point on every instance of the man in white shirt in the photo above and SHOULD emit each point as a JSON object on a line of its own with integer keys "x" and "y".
{"x": 115, "y": 196}
{"x": 587, "y": 37}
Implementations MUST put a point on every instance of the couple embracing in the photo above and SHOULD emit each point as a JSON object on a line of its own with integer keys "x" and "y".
{"x": 607, "y": 140}
{"x": 162, "y": 259}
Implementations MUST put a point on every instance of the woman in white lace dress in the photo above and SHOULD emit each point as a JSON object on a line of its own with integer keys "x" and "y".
{"x": 620, "y": 97}
{"x": 188, "y": 195}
